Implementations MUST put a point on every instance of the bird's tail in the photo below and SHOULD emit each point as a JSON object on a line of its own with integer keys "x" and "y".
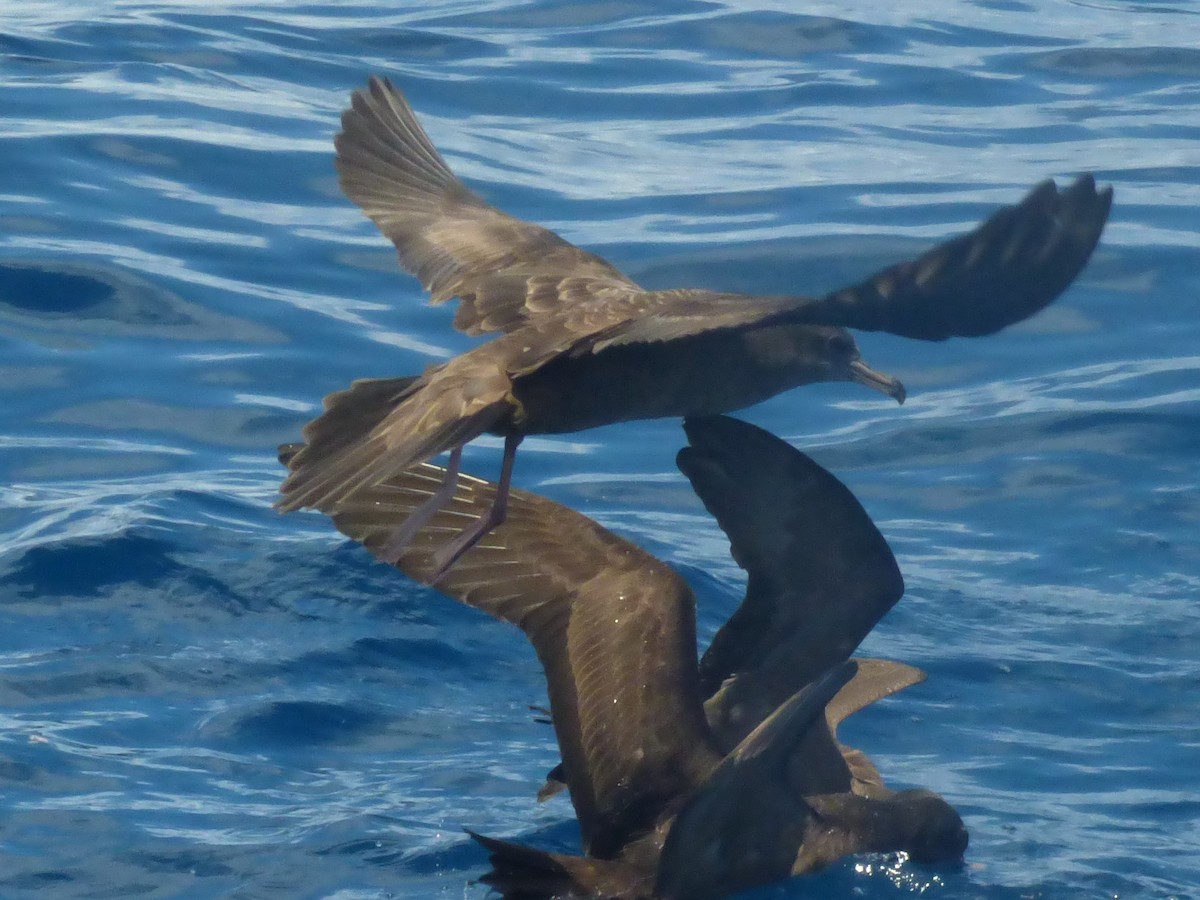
{"x": 524, "y": 873}
{"x": 377, "y": 428}
{"x": 351, "y": 414}
{"x": 349, "y": 417}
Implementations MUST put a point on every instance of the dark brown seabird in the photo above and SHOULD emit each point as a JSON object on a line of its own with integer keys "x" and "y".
{"x": 583, "y": 345}
{"x": 689, "y": 781}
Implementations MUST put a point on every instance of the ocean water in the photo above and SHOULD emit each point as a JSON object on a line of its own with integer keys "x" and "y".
{"x": 201, "y": 698}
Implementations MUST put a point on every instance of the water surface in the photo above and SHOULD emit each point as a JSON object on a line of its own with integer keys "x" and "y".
{"x": 200, "y": 698}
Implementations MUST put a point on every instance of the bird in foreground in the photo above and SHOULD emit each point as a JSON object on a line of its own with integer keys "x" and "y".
{"x": 774, "y": 807}
{"x": 580, "y": 344}
{"x": 689, "y": 780}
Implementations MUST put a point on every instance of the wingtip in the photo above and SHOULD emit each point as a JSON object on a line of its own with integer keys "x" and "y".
{"x": 722, "y": 446}
{"x": 378, "y": 86}
{"x": 708, "y": 432}
{"x": 1083, "y": 191}
{"x": 491, "y": 845}
{"x": 695, "y": 427}
{"x": 1084, "y": 182}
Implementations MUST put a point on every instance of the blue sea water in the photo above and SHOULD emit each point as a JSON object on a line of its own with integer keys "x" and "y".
{"x": 201, "y": 698}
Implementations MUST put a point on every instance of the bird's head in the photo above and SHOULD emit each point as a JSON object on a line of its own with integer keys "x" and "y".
{"x": 835, "y": 354}
{"x": 936, "y": 831}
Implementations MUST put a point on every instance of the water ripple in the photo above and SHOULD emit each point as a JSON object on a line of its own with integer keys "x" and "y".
{"x": 199, "y": 697}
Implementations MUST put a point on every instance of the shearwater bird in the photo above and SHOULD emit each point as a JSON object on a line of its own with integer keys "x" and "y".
{"x": 661, "y": 753}
{"x": 582, "y": 345}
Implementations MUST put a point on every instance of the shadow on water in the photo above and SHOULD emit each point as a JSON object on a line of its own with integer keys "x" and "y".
{"x": 291, "y": 723}
{"x": 88, "y": 300}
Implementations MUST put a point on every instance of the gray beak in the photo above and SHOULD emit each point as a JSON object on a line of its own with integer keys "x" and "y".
{"x": 865, "y": 375}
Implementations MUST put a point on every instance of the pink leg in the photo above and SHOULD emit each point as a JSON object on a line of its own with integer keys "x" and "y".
{"x": 402, "y": 536}
{"x": 450, "y": 552}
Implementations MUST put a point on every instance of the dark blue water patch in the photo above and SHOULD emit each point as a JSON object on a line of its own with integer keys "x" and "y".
{"x": 1123, "y": 64}
{"x": 93, "y": 299}
{"x": 54, "y": 290}
{"x": 104, "y": 858}
{"x": 24, "y": 52}
{"x": 765, "y": 34}
{"x": 325, "y": 46}
{"x": 1156, "y": 436}
{"x": 51, "y": 293}
{"x": 430, "y": 653}
{"x": 37, "y": 56}
{"x": 83, "y": 568}
{"x": 1007, "y": 5}
{"x": 129, "y": 679}
{"x": 39, "y": 881}
{"x": 294, "y": 723}
{"x": 369, "y": 656}
{"x": 948, "y": 90}
{"x": 555, "y": 18}
{"x": 133, "y": 48}
{"x": 421, "y": 44}
{"x": 375, "y": 852}
{"x": 190, "y": 861}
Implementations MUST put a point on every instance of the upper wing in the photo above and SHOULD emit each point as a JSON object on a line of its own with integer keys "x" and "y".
{"x": 505, "y": 271}
{"x": 1002, "y": 272}
{"x": 508, "y": 272}
{"x": 875, "y": 679}
{"x": 613, "y": 627}
{"x": 820, "y": 573}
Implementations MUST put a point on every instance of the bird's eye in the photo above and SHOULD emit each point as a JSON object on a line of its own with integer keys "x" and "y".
{"x": 840, "y": 345}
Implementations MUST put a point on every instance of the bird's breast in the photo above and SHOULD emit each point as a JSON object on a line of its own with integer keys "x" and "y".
{"x": 708, "y": 375}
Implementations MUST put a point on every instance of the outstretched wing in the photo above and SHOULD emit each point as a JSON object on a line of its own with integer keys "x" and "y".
{"x": 1007, "y": 269}
{"x": 875, "y": 679}
{"x": 503, "y": 270}
{"x": 613, "y": 627}
{"x": 508, "y": 273}
{"x": 820, "y": 575}
{"x": 1010, "y": 267}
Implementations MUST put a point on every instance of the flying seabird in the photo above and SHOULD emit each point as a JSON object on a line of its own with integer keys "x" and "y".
{"x": 582, "y": 345}
{"x": 657, "y": 749}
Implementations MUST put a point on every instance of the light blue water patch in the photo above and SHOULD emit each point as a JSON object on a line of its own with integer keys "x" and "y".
{"x": 200, "y": 698}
